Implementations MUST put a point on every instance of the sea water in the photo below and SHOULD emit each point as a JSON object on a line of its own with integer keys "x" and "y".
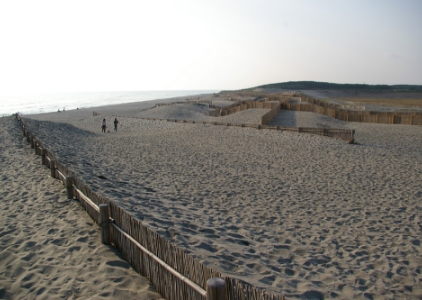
{"x": 42, "y": 103}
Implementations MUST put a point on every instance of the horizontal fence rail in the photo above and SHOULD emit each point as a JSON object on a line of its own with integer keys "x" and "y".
{"x": 87, "y": 200}
{"x": 174, "y": 274}
{"x": 166, "y": 266}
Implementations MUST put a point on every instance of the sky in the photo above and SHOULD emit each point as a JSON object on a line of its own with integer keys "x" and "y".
{"x": 83, "y": 46}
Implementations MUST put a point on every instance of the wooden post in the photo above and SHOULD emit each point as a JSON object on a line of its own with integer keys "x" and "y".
{"x": 216, "y": 289}
{"x": 53, "y": 168}
{"x": 35, "y": 147}
{"x": 27, "y": 137}
{"x": 69, "y": 187}
{"x": 352, "y": 137}
{"x": 43, "y": 151}
{"x": 105, "y": 224}
{"x": 32, "y": 142}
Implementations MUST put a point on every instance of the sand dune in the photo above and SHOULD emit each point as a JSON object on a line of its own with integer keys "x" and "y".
{"x": 308, "y": 216}
{"x": 49, "y": 247}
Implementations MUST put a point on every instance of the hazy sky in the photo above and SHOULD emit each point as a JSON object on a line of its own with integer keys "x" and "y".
{"x": 64, "y": 46}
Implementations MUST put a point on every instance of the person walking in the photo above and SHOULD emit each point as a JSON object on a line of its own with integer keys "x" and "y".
{"x": 104, "y": 125}
{"x": 115, "y": 124}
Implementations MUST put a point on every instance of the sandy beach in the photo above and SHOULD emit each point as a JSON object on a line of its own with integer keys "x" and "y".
{"x": 308, "y": 216}
{"x": 49, "y": 247}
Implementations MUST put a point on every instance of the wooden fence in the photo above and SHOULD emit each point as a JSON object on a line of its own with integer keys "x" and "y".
{"x": 174, "y": 274}
{"x": 244, "y": 105}
{"x": 341, "y": 134}
{"x": 275, "y": 105}
{"x": 310, "y": 104}
{"x": 184, "y": 102}
{"x": 266, "y": 118}
{"x": 335, "y": 111}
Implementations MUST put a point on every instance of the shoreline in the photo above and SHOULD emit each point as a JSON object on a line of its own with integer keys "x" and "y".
{"x": 68, "y": 99}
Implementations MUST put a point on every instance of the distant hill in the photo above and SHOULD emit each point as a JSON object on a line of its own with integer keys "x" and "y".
{"x": 315, "y": 85}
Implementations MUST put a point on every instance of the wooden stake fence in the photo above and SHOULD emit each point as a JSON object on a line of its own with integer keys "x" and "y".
{"x": 347, "y": 135}
{"x": 311, "y": 104}
{"x": 174, "y": 274}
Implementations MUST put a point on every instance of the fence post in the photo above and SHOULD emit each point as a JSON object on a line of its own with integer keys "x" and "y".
{"x": 32, "y": 142}
{"x": 105, "y": 224}
{"x": 43, "y": 151}
{"x": 352, "y": 137}
{"x": 69, "y": 187}
{"x": 35, "y": 147}
{"x": 53, "y": 168}
{"x": 216, "y": 289}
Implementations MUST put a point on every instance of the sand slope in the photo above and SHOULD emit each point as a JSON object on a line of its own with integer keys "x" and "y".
{"x": 49, "y": 247}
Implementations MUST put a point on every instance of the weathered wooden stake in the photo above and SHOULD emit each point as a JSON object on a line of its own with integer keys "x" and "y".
{"x": 105, "y": 224}
{"x": 28, "y": 139}
{"x": 69, "y": 187}
{"x": 216, "y": 289}
{"x": 53, "y": 168}
{"x": 32, "y": 142}
{"x": 43, "y": 151}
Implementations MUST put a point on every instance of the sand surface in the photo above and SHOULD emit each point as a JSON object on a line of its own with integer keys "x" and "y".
{"x": 308, "y": 216}
{"x": 49, "y": 247}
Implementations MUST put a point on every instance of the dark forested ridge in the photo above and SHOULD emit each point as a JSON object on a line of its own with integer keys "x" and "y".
{"x": 315, "y": 85}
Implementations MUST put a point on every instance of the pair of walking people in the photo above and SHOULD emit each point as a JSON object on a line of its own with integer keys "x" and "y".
{"x": 104, "y": 125}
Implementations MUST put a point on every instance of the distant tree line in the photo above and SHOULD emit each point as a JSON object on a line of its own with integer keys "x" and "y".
{"x": 315, "y": 85}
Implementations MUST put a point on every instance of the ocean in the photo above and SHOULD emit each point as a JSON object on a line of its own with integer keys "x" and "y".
{"x": 42, "y": 103}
